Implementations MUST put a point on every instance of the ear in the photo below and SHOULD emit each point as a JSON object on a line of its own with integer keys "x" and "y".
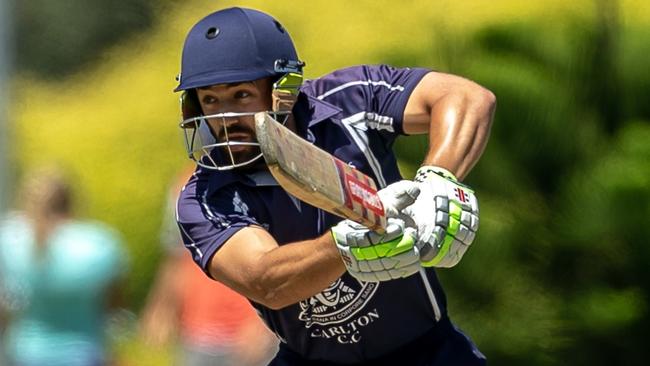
{"x": 190, "y": 105}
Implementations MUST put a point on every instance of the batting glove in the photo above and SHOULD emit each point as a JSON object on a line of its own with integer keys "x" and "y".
{"x": 446, "y": 216}
{"x": 373, "y": 257}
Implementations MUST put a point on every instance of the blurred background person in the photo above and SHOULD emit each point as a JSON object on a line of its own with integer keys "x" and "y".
{"x": 210, "y": 323}
{"x": 58, "y": 277}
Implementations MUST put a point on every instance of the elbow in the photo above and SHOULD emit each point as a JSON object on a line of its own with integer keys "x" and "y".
{"x": 275, "y": 303}
{"x": 486, "y": 101}
{"x": 491, "y": 102}
{"x": 271, "y": 294}
{"x": 480, "y": 104}
{"x": 274, "y": 300}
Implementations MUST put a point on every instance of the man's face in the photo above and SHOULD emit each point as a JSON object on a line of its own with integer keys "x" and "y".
{"x": 252, "y": 96}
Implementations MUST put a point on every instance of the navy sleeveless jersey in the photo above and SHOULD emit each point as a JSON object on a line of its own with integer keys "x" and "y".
{"x": 356, "y": 114}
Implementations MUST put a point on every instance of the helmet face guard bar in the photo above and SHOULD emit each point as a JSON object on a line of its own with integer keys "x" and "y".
{"x": 207, "y": 151}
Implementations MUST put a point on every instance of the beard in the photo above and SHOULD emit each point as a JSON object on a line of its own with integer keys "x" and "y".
{"x": 242, "y": 154}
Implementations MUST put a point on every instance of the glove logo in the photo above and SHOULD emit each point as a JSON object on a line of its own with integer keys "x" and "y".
{"x": 346, "y": 259}
{"x": 461, "y": 195}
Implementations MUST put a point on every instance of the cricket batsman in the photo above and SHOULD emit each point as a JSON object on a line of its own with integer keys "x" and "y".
{"x": 334, "y": 292}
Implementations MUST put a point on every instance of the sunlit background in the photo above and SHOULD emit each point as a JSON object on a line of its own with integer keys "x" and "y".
{"x": 559, "y": 272}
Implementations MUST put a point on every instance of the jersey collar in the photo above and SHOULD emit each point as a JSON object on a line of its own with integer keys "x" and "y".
{"x": 218, "y": 180}
{"x": 310, "y": 110}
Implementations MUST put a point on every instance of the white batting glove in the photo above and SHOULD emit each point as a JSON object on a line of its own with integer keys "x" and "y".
{"x": 446, "y": 216}
{"x": 373, "y": 257}
{"x": 397, "y": 196}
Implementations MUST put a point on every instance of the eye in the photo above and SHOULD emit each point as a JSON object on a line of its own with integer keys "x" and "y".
{"x": 241, "y": 94}
{"x": 208, "y": 99}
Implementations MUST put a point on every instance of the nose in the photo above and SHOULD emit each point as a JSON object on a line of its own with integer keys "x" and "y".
{"x": 219, "y": 125}
{"x": 229, "y": 121}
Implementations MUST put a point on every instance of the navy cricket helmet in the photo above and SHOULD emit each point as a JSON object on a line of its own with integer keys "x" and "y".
{"x": 236, "y": 45}
{"x": 231, "y": 46}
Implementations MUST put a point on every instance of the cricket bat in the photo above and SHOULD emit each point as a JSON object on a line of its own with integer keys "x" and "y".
{"x": 317, "y": 177}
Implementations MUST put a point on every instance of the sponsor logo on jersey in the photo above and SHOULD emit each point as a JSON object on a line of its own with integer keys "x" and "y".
{"x": 239, "y": 205}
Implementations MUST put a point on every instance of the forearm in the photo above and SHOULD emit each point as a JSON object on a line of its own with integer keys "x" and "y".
{"x": 300, "y": 270}
{"x": 286, "y": 274}
{"x": 459, "y": 129}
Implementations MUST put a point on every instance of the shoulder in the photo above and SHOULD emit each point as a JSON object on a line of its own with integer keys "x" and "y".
{"x": 380, "y": 89}
{"x": 363, "y": 75}
{"x": 216, "y": 197}
{"x": 318, "y": 86}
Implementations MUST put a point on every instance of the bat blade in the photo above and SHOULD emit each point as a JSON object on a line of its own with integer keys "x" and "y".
{"x": 317, "y": 177}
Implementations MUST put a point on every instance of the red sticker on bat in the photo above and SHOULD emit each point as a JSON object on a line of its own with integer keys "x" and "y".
{"x": 364, "y": 194}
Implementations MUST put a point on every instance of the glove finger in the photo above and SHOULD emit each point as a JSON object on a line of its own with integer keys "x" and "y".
{"x": 359, "y": 238}
{"x": 463, "y": 233}
{"x": 401, "y": 260}
{"x": 398, "y": 196}
{"x": 419, "y": 217}
{"x": 407, "y": 219}
{"x": 470, "y": 238}
{"x": 454, "y": 255}
{"x": 427, "y": 251}
{"x": 344, "y": 232}
{"x": 442, "y": 203}
{"x": 474, "y": 224}
{"x": 369, "y": 276}
{"x": 354, "y": 225}
{"x": 469, "y": 220}
{"x": 442, "y": 219}
{"x": 363, "y": 276}
{"x": 432, "y": 247}
{"x": 460, "y": 251}
{"x": 394, "y": 229}
{"x": 383, "y": 275}
{"x": 364, "y": 266}
{"x": 375, "y": 265}
{"x": 406, "y": 271}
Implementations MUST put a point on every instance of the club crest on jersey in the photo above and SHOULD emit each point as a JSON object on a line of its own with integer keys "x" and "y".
{"x": 337, "y": 303}
{"x": 239, "y": 205}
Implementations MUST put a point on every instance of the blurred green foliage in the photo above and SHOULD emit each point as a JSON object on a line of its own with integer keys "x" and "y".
{"x": 558, "y": 273}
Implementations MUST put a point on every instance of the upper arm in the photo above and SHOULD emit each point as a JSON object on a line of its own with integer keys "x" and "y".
{"x": 378, "y": 93}
{"x": 436, "y": 87}
{"x": 235, "y": 264}
{"x": 225, "y": 239}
